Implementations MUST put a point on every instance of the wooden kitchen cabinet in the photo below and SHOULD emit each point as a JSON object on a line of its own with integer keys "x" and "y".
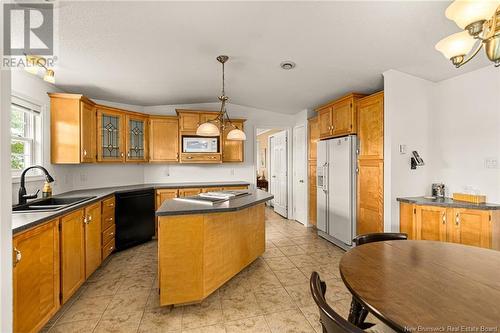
{"x": 186, "y": 192}
{"x": 72, "y": 253}
{"x": 313, "y": 138}
{"x": 370, "y": 196}
{"x": 163, "y": 139}
{"x": 165, "y": 194}
{"x": 108, "y": 227}
{"x": 136, "y": 138}
{"x": 110, "y": 135}
{"x": 475, "y": 227}
{"x": 470, "y": 227}
{"x": 72, "y": 129}
{"x": 232, "y": 150}
{"x": 36, "y": 279}
{"x": 370, "y": 169}
{"x": 188, "y": 121}
{"x": 211, "y": 189}
{"x": 92, "y": 225}
{"x": 338, "y": 117}
{"x": 325, "y": 122}
{"x": 313, "y": 131}
{"x": 430, "y": 223}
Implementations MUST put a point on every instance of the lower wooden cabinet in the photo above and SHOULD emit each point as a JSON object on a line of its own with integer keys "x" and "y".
{"x": 186, "y": 192}
{"x": 92, "y": 227}
{"x": 108, "y": 228}
{"x": 36, "y": 277}
{"x": 473, "y": 227}
{"x": 72, "y": 253}
{"x": 370, "y": 195}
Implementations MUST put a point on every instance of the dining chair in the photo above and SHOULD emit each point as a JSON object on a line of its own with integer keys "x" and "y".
{"x": 330, "y": 320}
{"x": 379, "y": 237}
{"x": 358, "y": 313}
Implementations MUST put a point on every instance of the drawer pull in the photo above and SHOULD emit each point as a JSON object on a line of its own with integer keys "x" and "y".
{"x": 111, "y": 233}
{"x": 109, "y": 219}
{"x": 111, "y": 248}
{"x": 111, "y": 205}
{"x": 189, "y": 157}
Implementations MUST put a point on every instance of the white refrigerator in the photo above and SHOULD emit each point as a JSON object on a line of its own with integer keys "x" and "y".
{"x": 336, "y": 186}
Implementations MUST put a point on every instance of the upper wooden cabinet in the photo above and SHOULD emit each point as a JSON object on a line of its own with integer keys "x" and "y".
{"x": 136, "y": 138}
{"x": 36, "y": 277}
{"x": 110, "y": 135}
{"x": 72, "y": 129}
{"x": 107, "y": 134}
{"x": 371, "y": 126}
{"x": 338, "y": 117}
{"x": 313, "y": 129}
{"x": 232, "y": 150}
{"x": 163, "y": 139}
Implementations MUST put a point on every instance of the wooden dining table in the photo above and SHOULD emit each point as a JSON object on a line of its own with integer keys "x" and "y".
{"x": 426, "y": 286}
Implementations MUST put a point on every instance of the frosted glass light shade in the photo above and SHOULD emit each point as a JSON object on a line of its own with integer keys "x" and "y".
{"x": 207, "y": 129}
{"x": 237, "y": 135}
{"x": 458, "y": 44}
{"x": 49, "y": 76}
{"x": 465, "y": 12}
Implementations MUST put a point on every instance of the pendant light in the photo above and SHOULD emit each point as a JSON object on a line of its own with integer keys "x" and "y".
{"x": 222, "y": 121}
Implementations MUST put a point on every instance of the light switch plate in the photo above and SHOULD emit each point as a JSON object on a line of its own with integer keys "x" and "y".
{"x": 402, "y": 149}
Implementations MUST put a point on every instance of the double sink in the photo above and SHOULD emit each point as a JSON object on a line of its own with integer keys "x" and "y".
{"x": 51, "y": 204}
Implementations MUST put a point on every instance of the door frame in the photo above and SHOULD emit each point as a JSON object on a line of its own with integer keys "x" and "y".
{"x": 289, "y": 163}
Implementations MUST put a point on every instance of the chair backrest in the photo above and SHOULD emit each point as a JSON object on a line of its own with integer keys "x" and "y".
{"x": 331, "y": 321}
{"x": 379, "y": 237}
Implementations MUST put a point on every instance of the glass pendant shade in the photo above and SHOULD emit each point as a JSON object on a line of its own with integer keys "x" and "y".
{"x": 49, "y": 76}
{"x": 465, "y": 12}
{"x": 207, "y": 129}
{"x": 458, "y": 44}
{"x": 237, "y": 135}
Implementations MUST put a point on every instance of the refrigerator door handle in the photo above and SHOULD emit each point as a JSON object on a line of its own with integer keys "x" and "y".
{"x": 325, "y": 177}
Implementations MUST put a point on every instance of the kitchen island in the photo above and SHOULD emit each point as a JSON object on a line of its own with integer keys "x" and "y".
{"x": 200, "y": 246}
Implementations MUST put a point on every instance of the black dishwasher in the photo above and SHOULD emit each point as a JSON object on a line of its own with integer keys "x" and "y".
{"x": 135, "y": 218}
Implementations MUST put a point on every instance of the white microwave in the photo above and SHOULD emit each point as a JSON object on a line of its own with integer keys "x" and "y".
{"x": 199, "y": 144}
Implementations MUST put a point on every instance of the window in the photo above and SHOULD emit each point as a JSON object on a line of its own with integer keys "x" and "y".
{"x": 25, "y": 135}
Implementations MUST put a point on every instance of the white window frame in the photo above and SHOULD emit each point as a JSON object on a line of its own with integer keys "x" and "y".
{"x": 36, "y": 145}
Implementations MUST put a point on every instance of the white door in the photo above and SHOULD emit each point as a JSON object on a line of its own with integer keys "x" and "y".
{"x": 278, "y": 151}
{"x": 299, "y": 174}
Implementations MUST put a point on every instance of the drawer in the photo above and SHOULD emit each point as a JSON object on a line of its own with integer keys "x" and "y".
{"x": 211, "y": 189}
{"x": 201, "y": 158}
{"x": 108, "y": 235}
{"x": 108, "y": 206}
{"x": 108, "y": 249}
{"x": 233, "y": 188}
{"x": 108, "y": 220}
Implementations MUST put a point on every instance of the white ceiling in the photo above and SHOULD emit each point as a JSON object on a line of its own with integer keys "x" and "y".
{"x": 152, "y": 53}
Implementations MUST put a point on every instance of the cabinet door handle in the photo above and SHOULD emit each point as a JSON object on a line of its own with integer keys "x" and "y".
{"x": 444, "y": 218}
{"x": 457, "y": 219}
{"x": 17, "y": 256}
{"x": 128, "y": 154}
{"x": 111, "y": 233}
{"x": 89, "y": 219}
{"x": 189, "y": 157}
{"x": 85, "y": 219}
{"x": 84, "y": 152}
{"x": 111, "y": 205}
{"x": 109, "y": 219}
{"x": 121, "y": 154}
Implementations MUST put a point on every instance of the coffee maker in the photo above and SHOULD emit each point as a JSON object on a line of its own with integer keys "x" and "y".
{"x": 438, "y": 190}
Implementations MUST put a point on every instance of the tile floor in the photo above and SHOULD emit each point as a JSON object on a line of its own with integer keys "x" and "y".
{"x": 271, "y": 295}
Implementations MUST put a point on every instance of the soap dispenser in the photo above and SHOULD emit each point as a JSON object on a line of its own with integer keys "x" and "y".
{"x": 47, "y": 190}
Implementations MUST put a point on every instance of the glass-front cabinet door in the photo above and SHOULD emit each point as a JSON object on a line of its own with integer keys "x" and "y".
{"x": 110, "y": 138}
{"x": 136, "y": 138}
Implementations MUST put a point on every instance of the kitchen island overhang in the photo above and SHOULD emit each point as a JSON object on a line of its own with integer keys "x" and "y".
{"x": 200, "y": 247}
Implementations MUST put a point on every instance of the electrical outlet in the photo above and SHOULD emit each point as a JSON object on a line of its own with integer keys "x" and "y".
{"x": 491, "y": 163}
{"x": 232, "y": 172}
{"x": 402, "y": 149}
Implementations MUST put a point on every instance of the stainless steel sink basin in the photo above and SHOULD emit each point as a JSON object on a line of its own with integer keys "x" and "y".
{"x": 49, "y": 204}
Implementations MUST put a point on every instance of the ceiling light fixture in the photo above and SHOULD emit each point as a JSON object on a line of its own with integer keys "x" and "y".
{"x": 34, "y": 63}
{"x": 217, "y": 125}
{"x": 480, "y": 20}
{"x": 287, "y": 65}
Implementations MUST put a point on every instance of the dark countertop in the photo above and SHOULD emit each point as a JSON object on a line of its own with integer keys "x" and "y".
{"x": 177, "y": 207}
{"x": 449, "y": 202}
{"x": 23, "y": 221}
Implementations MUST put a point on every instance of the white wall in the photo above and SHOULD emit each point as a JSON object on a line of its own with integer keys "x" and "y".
{"x": 467, "y": 131}
{"x": 407, "y": 121}
{"x": 454, "y": 125}
{"x": 245, "y": 171}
